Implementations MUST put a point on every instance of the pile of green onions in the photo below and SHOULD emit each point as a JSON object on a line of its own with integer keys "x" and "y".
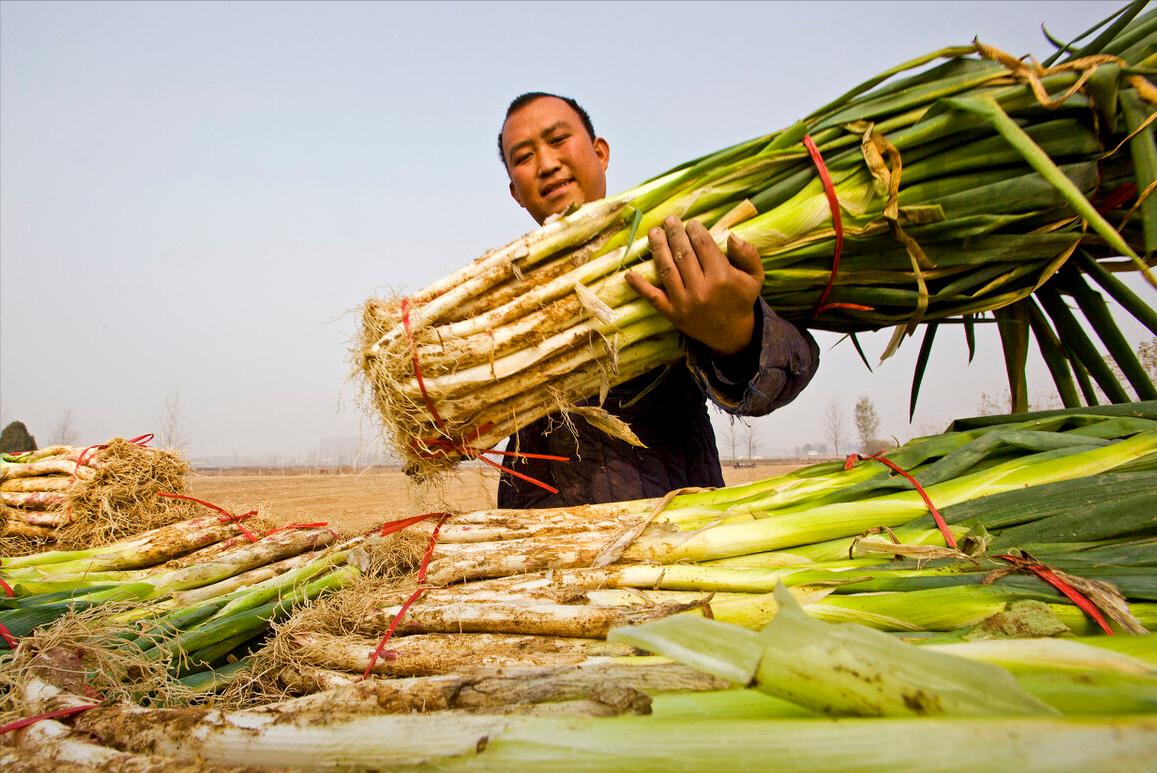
{"x": 193, "y": 595}
{"x": 549, "y": 614}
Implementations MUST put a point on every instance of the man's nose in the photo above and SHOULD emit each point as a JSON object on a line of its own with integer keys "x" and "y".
{"x": 548, "y": 162}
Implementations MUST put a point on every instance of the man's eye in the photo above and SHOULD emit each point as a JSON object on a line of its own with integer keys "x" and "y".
{"x": 521, "y": 158}
{"x": 560, "y": 139}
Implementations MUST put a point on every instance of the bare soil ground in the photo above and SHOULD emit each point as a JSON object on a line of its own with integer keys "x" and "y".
{"x": 360, "y": 501}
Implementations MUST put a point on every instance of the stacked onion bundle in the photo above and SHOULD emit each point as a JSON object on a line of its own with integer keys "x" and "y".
{"x": 33, "y": 486}
{"x": 76, "y": 497}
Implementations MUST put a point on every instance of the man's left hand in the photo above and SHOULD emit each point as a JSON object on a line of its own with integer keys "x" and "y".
{"x": 707, "y": 295}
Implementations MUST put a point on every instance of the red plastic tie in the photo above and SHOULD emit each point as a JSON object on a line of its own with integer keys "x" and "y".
{"x": 822, "y": 304}
{"x": 516, "y": 454}
{"x": 851, "y": 306}
{"x": 417, "y": 366}
{"x": 139, "y": 440}
{"x": 1116, "y": 198}
{"x": 520, "y": 475}
{"x": 7, "y": 588}
{"x": 65, "y": 712}
{"x": 421, "y": 589}
{"x": 465, "y": 450}
{"x": 404, "y": 523}
{"x": 1074, "y": 595}
{"x": 82, "y": 458}
{"x": 474, "y": 451}
{"x": 7, "y": 636}
{"x": 228, "y": 517}
{"x": 941, "y": 524}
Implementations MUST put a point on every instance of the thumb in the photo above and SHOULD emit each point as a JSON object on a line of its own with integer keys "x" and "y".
{"x": 648, "y": 292}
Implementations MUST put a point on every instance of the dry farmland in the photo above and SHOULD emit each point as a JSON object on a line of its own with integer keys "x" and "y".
{"x": 360, "y": 500}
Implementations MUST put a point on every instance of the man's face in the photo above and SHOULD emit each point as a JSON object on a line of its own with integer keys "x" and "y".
{"x": 551, "y": 160}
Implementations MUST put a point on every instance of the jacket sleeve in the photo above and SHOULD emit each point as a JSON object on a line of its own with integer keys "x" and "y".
{"x": 778, "y": 364}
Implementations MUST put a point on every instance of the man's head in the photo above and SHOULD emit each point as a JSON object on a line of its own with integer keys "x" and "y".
{"x": 551, "y": 154}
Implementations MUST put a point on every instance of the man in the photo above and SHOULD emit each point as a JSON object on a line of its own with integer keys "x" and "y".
{"x": 741, "y": 354}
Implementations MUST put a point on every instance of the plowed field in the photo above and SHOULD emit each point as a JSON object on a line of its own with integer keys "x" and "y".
{"x": 358, "y": 501}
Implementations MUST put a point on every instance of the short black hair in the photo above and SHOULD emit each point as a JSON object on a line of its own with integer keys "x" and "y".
{"x": 530, "y": 96}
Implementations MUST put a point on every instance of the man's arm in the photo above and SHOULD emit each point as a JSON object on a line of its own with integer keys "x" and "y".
{"x": 776, "y": 366}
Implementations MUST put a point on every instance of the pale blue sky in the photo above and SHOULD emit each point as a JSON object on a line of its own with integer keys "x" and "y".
{"x": 192, "y": 195}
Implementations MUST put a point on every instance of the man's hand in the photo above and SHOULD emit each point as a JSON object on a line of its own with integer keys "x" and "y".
{"x": 708, "y": 297}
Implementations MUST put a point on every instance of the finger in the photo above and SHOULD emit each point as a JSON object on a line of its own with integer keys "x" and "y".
{"x": 665, "y": 267}
{"x": 650, "y": 293}
{"x": 745, "y": 257}
{"x": 683, "y": 254}
{"x": 711, "y": 258}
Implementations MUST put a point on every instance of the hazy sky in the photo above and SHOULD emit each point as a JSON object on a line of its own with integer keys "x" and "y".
{"x": 194, "y": 195}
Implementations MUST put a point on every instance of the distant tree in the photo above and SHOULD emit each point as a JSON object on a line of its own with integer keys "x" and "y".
{"x": 835, "y": 424}
{"x": 867, "y": 423}
{"x": 1147, "y": 354}
{"x": 170, "y": 424}
{"x": 15, "y": 438}
{"x": 731, "y": 437}
{"x": 931, "y": 427}
{"x": 752, "y": 440}
{"x": 65, "y": 432}
{"x": 1001, "y": 402}
{"x": 991, "y": 405}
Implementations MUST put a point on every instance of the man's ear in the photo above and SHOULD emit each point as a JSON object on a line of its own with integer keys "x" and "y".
{"x": 603, "y": 151}
{"x": 514, "y": 195}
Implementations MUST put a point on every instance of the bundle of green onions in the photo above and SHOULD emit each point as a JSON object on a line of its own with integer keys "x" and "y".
{"x": 187, "y": 595}
{"x": 32, "y": 490}
{"x": 78, "y": 497}
{"x": 1022, "y": 701}
{"x": 331, "y": 736}
{"x": 962, "y": 189}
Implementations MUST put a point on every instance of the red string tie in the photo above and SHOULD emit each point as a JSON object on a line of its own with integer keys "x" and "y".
{"x": 1049, "y": 576}
{"x": 7, "y": 588}
{"x": 7, "y": 636}
{"x": 404, "y": 523}
{"x": 941, "y": 524}
{"x": 65, "y": 712}
{"x": 226, "y": 516}
{"x": 822, "y": 304}
{"x": 389, "y": 528}
{"x": 460, "y": 447}
{"x": 139, "y": 440}
{"x": 1116, "y": 198}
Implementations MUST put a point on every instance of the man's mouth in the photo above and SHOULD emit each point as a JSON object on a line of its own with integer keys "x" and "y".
{"x": 555, "y": 188}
